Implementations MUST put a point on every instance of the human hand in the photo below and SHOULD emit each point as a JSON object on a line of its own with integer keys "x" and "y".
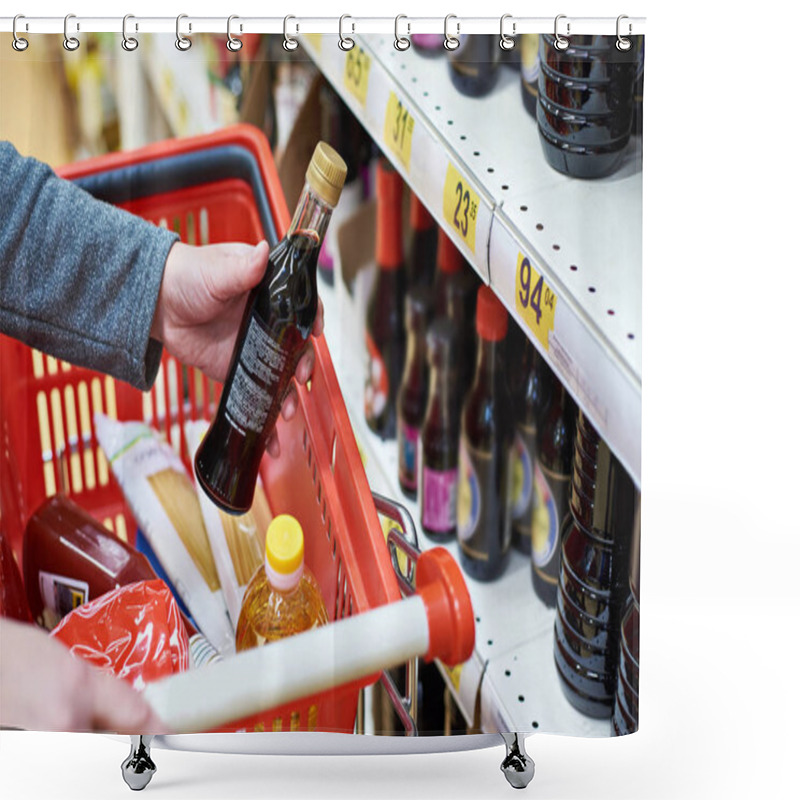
{"x": 203, "y": 295}
{"x": 45, "y": 688}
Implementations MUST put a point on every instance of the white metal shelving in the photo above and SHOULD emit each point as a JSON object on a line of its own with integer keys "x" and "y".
{"x": 582, "y": 237}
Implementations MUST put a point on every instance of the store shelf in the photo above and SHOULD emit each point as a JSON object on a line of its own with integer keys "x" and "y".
{"x": 583, "y": 238}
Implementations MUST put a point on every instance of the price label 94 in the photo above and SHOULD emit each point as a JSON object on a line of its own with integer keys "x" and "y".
{"x": 535, "y": 301}
{"x": 460, "y": 206}
{"x": 398, "y": 128}
{"x": 356, "y": 73}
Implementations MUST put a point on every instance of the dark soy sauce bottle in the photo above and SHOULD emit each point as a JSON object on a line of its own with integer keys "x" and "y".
{"x": 385, "y": 335}
{"x": 553, "y": 473}
{"x": 593, "y": 579}
{"x": 413, "y": 395}
{"x": 474, "y": 64}
{"x": 484, "y": 521}
{"x": 439, "y": 462}
{"x": 273, "y": 333}
{"x": 422, "y": 258}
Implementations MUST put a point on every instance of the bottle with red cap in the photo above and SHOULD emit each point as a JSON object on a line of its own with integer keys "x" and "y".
{"x": 385, "y": 334}
{"x": 422, "y": 258}
{"x": 484, "y": 518}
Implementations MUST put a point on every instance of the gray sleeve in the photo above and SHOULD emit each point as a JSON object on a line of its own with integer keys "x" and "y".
{"x": 79, "y": 278}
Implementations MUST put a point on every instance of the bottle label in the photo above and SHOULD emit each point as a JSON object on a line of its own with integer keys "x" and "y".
{"x": 546, "y": 515}
{"x": 408, "y": 445}
{"x": 376, "y": 391}
{"x": 469, "y": 494}
{"x": 255, "y": 381}
{"x": 521, "y": 489}
{"x": 439, "y": 490}
{"x": 61, "y": 594}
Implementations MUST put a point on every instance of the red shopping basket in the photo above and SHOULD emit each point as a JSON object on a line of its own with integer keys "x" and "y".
{"x": 217, "y": 187}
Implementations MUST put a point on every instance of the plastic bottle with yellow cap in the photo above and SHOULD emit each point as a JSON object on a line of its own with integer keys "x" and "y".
{"x": 273, "y": 334}
{"x": 283, "y": 597}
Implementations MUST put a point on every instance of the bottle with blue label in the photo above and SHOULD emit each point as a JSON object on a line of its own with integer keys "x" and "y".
{"x": 484, "y": 518}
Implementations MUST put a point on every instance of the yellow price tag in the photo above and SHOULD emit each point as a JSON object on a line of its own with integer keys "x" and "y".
{"x": 315, "y": 40}
{"x": 356, "y": 73}
{"x": 460, "y": 206}
{"x": 454, "y": 673}
{"x": 534, "y": 300}
{"x": 398, "y": 128}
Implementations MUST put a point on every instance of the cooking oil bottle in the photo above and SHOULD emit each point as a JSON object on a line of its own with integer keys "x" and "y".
{"x": 283, "y": 597}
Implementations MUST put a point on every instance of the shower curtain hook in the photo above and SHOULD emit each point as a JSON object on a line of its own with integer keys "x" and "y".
{"x": 401, "y": 42}
{"x": 70, "y": 42}
{"x": 507, "y": 42}
{"x": 560, "y": 43}
{"x": 19, "y": 44}
{"x": 129, "y": 43}
{"x": 289, "y": 42}
{"x": 623, "y": 44}
{"x": 182, "y": 42}
{"x": 345, "y": 42}
{"x": 451, "y": 42}
{"x": 233, "y": 44}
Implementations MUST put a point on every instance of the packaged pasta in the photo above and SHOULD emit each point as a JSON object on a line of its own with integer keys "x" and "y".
{"x": 237, "y": 541}
{"x": 163, "y": 500}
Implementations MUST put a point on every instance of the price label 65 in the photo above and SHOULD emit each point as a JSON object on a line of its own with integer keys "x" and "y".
{"x": 535, "y": 301}
{"x": 460, "y": 206}
{"x": 398, "y": 128}
{"x": 356, "y": 73}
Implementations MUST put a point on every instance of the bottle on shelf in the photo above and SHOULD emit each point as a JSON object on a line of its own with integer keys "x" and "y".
{"x": 385, "y": 335}
{"x": 413, "y": 395}
{"x": 529, "y": 71}
{"x": 474, "y": 64}
{"x": 554, "y": 446}
{"x": 275, "y": 328}
{"x": 529, "y": 399}
{"x": 484, "y": 519}
{"x": 593, "y": 579}
{"x": 440, "y": 431}
{"x": 283, "y": 597}
{"x": 422, "y": 258}
{"x": 428, "y": 45}
{"x": 625, "y": 718}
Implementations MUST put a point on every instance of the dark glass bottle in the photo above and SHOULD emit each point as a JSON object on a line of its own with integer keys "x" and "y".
{"x": 593, "y": 579}
{"x": 385, "y": 334}
{"x": 422, "y": 258}
{"x": 625, "y": 718}
{"x": 529, "y": 400}
{"x": 529, "y": 71}
{"x": 412, "y": 398}
{"x": 474, "y": 64}
{"x": 552, "y": 479}
{"x": 274, "y": 331}
{"x": 484, "y": 521}
{"x": 440, "y": 430}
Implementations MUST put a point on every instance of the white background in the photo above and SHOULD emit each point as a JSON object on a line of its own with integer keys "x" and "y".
{"x": 720, "y": 603}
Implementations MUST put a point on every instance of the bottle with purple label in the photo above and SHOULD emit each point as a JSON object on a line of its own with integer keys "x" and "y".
{"x": 413, "y": 395}
{"x": 439, "y": 467}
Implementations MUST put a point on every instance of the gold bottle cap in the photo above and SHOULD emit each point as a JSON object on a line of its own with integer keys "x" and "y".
{"x": 326, "y": 173}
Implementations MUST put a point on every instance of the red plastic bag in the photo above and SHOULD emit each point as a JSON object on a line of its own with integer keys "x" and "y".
{"x": 134, "y": 632}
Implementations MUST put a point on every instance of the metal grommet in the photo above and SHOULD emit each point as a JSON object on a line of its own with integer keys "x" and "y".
{"x": 18, "y": 43}
{"x": 181, "y": 41}
{"x": 233, "y": 44}
{"x": 507, "y": 42}
{"x": 345, "y": 42}
{"x": 560, "y": 43}
{"x": 129, "y": 43}
{"x": 70, "y": 42}
{"x": 623, "y": 44}
{"x": 451, "y": 42}
{"x": 401, "y": 43}
{"x": 289, "y": 42}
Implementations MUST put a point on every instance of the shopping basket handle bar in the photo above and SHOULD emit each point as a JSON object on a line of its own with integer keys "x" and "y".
{"x": 437, "y": 622}
{"x": 401, "y": 538}
{"x": 184, "y": 171}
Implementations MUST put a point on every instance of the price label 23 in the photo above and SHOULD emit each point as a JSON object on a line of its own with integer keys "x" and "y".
{"x": 356, "y": 73}
{"x": 535, "y": 301}
{"x": 398, "y": 128}
{"x": 460, "y": 206}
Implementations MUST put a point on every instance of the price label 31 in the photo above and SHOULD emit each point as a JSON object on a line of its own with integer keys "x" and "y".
{"x": 535, "y": 301}
{"x": 356, "y": 73}
{"x": 460, "y": 206}
{"x": 398, "y": 128}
